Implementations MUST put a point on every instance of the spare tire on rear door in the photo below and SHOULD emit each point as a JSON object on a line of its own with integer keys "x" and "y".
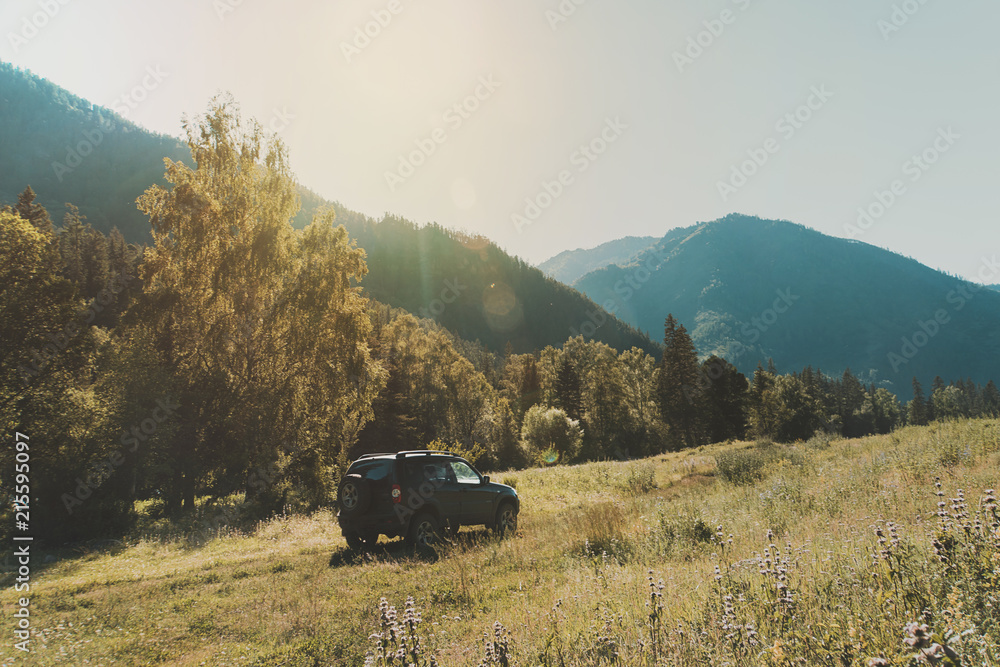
{"x": 354, "y": 495}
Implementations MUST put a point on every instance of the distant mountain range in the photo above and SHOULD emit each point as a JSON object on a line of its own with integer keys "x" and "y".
{"x": 751, "y": 289}
{"x": 571, "y": 265}
{"x": 69, "y": 150}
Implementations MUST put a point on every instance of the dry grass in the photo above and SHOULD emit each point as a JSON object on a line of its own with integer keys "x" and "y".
{"x": 573, "y": 587}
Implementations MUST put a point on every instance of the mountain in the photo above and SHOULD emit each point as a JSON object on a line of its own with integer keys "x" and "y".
{"x": 69, "y": 150}
{"x": 751, "y": 289}
{"x": 571, "y": 265}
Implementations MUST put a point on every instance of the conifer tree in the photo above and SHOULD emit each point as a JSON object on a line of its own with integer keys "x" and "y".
{"x": 679, "y": 390}
{"x": 569, "y": 391}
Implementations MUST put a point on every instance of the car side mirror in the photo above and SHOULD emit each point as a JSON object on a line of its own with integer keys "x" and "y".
{"x": 486, "y": 479}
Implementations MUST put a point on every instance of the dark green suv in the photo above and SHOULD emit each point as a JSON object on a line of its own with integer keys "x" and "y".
{"x": 419, "y": 495}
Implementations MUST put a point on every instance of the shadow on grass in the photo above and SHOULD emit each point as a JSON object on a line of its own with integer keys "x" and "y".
{"x": 397, "y": 550}
{"x": 44, "y": 558}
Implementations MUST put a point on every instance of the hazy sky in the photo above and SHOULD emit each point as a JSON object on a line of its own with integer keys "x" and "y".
{"x": 663, "y": 131}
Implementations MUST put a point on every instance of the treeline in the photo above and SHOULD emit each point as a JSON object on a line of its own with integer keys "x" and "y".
{"x": 237, "y": 356}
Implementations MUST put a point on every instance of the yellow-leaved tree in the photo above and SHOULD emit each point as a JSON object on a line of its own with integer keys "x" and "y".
{"x": 262, "y": 326}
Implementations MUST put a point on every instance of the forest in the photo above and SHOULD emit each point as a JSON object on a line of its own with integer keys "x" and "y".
{"x": 237, "y": 355}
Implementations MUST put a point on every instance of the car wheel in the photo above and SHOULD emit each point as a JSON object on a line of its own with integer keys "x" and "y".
{"x": 424, "y": 531}
{"x": 506, "y": 523}
{"x": 354, "y": 495}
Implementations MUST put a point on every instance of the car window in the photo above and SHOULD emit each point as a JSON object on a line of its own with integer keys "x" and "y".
{"x": 464, "y": 473}
{"x": 437, "y": 471}
{"x": 375, "y": 471}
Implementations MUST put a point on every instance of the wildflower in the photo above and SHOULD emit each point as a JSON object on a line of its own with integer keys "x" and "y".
{"x": 918, "y": 635}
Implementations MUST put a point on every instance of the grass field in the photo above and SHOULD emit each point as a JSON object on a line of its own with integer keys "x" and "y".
{"x": 739, "y": 554}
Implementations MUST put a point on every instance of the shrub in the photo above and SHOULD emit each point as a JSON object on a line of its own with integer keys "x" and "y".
{"x": 640, "y": 479}
{"x": 741, "y": 466}
{"x": 549, "y": 436}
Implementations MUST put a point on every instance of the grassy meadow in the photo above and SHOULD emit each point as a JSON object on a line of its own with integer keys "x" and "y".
{"x": 818, "y": 553}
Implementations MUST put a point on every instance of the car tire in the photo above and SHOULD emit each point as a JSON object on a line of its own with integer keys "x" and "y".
{"x": 506, "y": 521}
{"x": 425, "y": 531}
{"x": 354, "y": 495}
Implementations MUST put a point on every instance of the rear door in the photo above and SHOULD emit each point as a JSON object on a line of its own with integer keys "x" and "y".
{"x": 378, "y": 472}
{"x": 477, "y": 500}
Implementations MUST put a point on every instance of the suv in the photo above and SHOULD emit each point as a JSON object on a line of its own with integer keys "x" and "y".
{"x": 417, "y": 495}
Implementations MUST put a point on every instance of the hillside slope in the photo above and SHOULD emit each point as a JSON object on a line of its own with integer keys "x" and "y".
{"x": 752, "y": 289}
{"x": 467, "y": 284}
{"x": 571, "y": 265}
{"x": 286, "y": 592}
{"x": 70, "y": 150}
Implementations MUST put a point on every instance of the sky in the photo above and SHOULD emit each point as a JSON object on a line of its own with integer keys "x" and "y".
{"x": 548, "y": 125}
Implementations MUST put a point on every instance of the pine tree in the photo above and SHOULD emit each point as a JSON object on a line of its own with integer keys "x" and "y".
{"x": 569, "y": 390}
{"x": 34, "y": 213}
{"x": 393, "y": 427}
{"x": 725, "y": 400}
{"x": 918, "y": 408}
{"x": 680, "y": 391}
{"x": 531, "y": 386}
{"x": 991, "y": 400}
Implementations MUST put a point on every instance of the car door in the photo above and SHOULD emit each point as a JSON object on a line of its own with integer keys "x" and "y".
{"x": 477, "y": 499}
{"x": 438, "y": 487}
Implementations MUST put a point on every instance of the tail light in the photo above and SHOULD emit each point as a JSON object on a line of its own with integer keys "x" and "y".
{"x": 397, "y": 494}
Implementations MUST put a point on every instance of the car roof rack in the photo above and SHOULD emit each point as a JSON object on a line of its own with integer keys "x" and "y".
{"x": 374, "y": 455}
{"x": 422, "y": 452}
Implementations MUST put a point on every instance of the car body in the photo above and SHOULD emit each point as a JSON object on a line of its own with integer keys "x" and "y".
{"x": 418, "y": 495}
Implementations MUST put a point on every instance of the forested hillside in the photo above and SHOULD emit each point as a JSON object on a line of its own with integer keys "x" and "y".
{"x": 467, "y": 284}
{"x": 753, "y": 290}
{"x": 70, "y": 150}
